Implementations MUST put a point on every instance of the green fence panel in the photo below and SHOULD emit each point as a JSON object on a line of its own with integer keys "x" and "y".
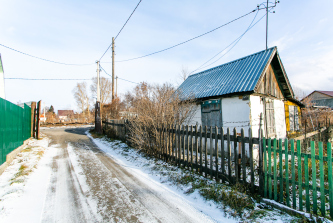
{"x": 330, "y": 183}
{"x": 300, "y": 180}
{"x": 292, "y": 148}
{"x": 15, "y": 127}
{"x": 287, "y": 171}
{"x": 314, "y": 177}
{"x": 321, "y": 174}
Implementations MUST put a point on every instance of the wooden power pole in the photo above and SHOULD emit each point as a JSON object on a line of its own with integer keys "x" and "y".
{"x": 98, "y": 120}
{"x": 112, "y": 69}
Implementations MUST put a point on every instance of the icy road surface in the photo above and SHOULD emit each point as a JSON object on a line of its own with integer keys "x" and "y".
{"x": 76, "y": 181}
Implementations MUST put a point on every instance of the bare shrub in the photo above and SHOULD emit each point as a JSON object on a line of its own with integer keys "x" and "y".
{"x": 155, "y": 107}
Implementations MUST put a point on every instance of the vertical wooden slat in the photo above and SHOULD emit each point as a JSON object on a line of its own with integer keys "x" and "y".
{"x": 186, "y": 148}
{"x": 216, "y": 154}
{"x": 275, "y": 170}
{"x": 183, "y": 146}
{"x": 236, "y": 156}
{"x": 170, "y": 141}
{"x": 179, "y": 143}
{"x": 192, "y": 132}
{"x": 265, "y": 166}
{"x": 222, "y": 155}
{"x": 229, "y": 154}
{"x": 261, "y": 171}
{"x": 196, "y": 147}
{"x": 314, "y": 177}
{"x": 269, "y": 157}
{"x": 330, "y": 183}
{"x": 206, "y": 162}
{"x": 175, "y": 144}
{"x": 292, "y": 148}
{"x": 280, "y": 171}
{"x": 201, "y": 150}
{"x": 300, "y": 180}
{"x": 243, "y": 156}
{"x": 306, "y": 176}
{"x": 251, "y": 159}
{"x": 321, "y": 171}
{"x": 211, "y": 153}
{"x": 286, "y": 163}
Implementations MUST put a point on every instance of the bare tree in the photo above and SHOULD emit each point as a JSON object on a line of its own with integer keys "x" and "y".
{"x": 105, "y": 87}
{"x": 154, "y": 106}
{"x": 183, "y": 74}
{"x": 81, "y": 97}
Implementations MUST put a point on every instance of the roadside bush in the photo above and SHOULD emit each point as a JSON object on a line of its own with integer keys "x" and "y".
{"x": 155, "y": 108}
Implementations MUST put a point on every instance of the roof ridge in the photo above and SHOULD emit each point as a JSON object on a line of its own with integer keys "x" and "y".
{"x": 233, "y": 61}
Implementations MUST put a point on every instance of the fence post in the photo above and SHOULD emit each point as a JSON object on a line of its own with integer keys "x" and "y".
{"x": 261, "y": 172}
{"x": 236, "y": 156}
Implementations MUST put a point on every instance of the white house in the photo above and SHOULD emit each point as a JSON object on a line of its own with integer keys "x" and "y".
{"x": 249, "y": 92}
{"x": 2, "y": 81}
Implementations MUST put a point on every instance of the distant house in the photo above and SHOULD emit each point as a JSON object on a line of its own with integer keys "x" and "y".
{"x": 65, "y": 115}
{"x": 320, "y": 99}
{"x": 249, "y": 92}
{"x": 2, "y": 81}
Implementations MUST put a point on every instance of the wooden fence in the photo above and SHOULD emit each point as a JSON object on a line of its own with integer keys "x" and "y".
{"x": 297, "y": 178}
{"x": 269, "y": 167}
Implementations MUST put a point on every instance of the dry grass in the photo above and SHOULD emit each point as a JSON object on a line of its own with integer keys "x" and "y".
{"x": 23, "y": 171}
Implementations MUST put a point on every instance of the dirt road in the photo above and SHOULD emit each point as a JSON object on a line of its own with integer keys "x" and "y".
{"x": 88, "y": 186}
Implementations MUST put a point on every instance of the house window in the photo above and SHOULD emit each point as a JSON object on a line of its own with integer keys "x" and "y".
{"x": 270, "y": 121}
{"x": 293, "y": 118}
{"x": 211, "y": 113}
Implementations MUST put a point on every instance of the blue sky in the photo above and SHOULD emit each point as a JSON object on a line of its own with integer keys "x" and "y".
{"x": 80, "y": 32}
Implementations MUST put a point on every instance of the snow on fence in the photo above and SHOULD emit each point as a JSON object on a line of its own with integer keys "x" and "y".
{"x": 300, "y": 179}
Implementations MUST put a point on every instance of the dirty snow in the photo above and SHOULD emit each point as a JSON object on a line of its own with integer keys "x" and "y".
{"x": 22, "y": 197}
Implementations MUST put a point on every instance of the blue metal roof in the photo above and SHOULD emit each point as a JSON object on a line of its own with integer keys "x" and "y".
{"x": 241, "y": 75}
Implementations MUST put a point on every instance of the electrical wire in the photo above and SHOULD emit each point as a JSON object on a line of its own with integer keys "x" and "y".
{"x": 190, "y": 39}
{"x": 43, "y": 79}
{"x": 234, "y": 43}
{"x": 121, "y": 29}
{"x": 118, "y": 77}
{"x": 52, "y": 61}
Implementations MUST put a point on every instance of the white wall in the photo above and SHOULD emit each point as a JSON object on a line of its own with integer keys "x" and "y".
{"x": 196, "y": 119}
{"x": 236, "y": 113}
{"x": 280, "y": 119}
{"x": 257, "y": 108}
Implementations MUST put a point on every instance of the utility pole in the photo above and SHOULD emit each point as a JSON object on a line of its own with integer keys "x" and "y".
{"x": 98, "y": 88}
{"x": 116, "y": 86}
{"x": 98, "y": 120}
{"x": 112, "y": 69}
{"x": 266, "y": 25}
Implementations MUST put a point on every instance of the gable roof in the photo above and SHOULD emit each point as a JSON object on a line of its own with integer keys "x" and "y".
{"x": 65, "y": 112}
{"x": 238, "y": 76}
{"x": 328, "y": 93}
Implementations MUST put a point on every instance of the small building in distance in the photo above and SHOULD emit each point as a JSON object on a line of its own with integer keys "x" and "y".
{"x": 251, "y": 92}
{"x": 320, "y": 99}
{"x": 65, "y": 115}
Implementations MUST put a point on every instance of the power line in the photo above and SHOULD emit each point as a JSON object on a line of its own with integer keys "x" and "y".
{"x": 234, "y": 43}
{"x": 52, "y": 61}
{"x": 118, "y": 77}
{"x": 191, "y": 38}
{"x": 43, "y": 79}
{"x": 121, "y": 29}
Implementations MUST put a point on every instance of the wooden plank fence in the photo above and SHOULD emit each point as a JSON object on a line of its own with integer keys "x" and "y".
{"x": 273, "y": 168}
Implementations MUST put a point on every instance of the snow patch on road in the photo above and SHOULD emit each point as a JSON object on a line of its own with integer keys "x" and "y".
{"x": 92, "y": 203}
{"x": 192, "y": 204}
{"x": 24, "y": 183}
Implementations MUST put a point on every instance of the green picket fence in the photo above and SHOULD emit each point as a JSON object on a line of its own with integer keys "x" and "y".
{"x": 15, "y": 127}
{"x": 300, "y": 179}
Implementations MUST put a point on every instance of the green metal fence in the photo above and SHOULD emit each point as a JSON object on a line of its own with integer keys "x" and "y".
{"x": 301, "y": 179}
{"x": 15, "y": 127}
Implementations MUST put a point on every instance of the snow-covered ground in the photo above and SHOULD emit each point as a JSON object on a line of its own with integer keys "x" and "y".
{"x": 24, "y": 183}
{"x": 50, "y": 183}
